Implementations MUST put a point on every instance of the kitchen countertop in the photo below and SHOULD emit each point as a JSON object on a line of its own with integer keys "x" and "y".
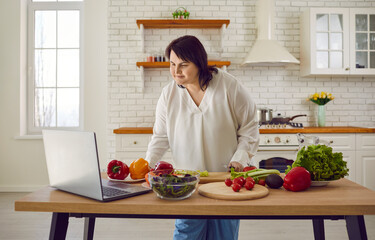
{"x": 342, "y": 129}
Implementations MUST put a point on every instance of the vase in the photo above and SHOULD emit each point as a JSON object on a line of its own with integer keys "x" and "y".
{"x": 321, "y": 116}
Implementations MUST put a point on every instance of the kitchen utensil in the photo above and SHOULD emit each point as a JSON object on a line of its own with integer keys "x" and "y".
{"x": 264, "y": 115}
{"x": 282, "y": 120}
{"x": 219, "y": 190}
{"x": 307, "y": 140}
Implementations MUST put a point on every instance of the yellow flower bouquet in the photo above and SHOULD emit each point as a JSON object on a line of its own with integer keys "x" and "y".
{"x": 321, "y": 99}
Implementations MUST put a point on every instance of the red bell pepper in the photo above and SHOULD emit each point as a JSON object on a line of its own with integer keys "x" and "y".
{"x": 117, "y": 170}
{"x": 298, "y": 179}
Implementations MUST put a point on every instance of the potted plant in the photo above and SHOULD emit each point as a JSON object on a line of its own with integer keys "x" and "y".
{"x": 181, "y": 13}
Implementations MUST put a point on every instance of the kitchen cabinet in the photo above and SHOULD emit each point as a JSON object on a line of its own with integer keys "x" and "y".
{"x": 359, "y": 153}
{"x": 130, "y": 147}
{"x": 365, "y": 160}
{"x": 185, "y": 23}
{"x": 337, "y": 41}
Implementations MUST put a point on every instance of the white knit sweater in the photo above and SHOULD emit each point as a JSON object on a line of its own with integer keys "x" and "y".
{"x": 223, "y": 128}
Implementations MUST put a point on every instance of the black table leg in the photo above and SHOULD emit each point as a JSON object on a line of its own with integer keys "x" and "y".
{"x": 59, "y": 225}
{"x": 356, "y": 227}
{"x": 318, "y": 224}
{"x": 88, "y": 233}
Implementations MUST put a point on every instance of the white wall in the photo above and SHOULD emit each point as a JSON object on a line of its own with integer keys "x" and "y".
{"x": 276, "y": 87}
{"x": 22, "y": 162}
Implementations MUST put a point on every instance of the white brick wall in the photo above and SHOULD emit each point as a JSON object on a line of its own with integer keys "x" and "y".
{"x": 279, "y": 88}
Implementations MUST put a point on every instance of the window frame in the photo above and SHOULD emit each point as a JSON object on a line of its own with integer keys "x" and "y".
{"x": 30, "y": 105}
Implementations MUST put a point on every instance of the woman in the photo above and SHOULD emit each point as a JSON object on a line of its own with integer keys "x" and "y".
{"x": 208, "y": 120}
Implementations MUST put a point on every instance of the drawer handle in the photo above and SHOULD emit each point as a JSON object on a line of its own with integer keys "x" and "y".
{"x": 135, "y": 142}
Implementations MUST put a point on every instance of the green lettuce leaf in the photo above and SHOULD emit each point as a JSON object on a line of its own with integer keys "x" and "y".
{"x": 321, "y": 162}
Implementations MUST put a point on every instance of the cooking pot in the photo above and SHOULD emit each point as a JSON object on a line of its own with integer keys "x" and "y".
{"x": 282, "y": 120}
{"x": 264, "y": 115}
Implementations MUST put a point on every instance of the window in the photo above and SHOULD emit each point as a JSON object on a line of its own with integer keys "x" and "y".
{"x": 55, "y": 65}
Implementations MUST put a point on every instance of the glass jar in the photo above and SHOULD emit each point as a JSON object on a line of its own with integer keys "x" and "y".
{"x": 150, "y": 57}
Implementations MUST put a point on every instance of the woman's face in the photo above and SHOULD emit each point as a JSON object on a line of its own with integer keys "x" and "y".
{"x": 183, "y": 72}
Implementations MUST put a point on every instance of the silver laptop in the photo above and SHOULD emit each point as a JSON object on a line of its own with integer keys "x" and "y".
{"x": 73, "y": 166}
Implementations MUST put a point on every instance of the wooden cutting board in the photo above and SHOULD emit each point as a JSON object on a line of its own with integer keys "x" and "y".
{"x": 219, "y": 190}
{"x": 214, "y": 177}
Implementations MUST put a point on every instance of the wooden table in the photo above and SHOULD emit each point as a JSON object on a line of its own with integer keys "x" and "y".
{"x": 341, "y": 199}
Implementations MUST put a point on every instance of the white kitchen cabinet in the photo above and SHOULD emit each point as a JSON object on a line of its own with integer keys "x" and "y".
{"x": 362, "y": 41}
{"x": 359, "y": 153}
{"x": 365, "y": 160}
{"x": 337, "y": 41}
{"x": 130, "y": 147}
{"x": 350, "y": 158}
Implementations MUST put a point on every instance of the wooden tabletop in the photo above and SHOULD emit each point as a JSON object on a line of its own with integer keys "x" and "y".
{"x": 341, "y": 197}
{"x": 148, "y": 130}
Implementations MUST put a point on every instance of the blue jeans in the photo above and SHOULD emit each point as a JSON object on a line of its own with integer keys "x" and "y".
{"x": 206, "y": 229}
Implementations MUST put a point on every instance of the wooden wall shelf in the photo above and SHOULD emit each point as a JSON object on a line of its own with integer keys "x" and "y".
{"x": 143, "y": 24}
{"x": 219, "y": 64}
{"x": 188, "y": 23}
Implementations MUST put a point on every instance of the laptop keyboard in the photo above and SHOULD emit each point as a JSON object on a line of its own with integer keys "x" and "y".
{"x": 112, "y": 192}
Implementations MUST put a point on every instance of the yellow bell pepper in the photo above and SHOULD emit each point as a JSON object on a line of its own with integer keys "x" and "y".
{"x": 138, "y": 168}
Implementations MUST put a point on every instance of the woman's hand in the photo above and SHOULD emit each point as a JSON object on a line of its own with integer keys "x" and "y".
{"x": 236, "y": 165}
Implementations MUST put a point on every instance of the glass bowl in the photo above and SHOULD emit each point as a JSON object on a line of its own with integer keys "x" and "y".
{"x": 174, "y": 184}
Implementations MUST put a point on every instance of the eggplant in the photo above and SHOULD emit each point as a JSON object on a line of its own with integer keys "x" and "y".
{"x": 274, "y": 181}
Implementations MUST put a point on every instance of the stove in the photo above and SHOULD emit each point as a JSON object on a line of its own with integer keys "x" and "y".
{"x": 286, "y": 141}
{"x": 276, "y": 151}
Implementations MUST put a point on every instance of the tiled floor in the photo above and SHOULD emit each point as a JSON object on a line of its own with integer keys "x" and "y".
{"x": 32, "y": 225}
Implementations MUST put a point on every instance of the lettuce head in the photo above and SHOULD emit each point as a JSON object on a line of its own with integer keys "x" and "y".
{"x": 321, "y": 162}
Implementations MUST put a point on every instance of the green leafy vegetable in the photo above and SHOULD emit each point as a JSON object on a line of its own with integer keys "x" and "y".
{"x": 321, "y": 162}
{"x": 203, "y": 174}
{"x": 174, "y": 186}
{"x": 256, "y": 174}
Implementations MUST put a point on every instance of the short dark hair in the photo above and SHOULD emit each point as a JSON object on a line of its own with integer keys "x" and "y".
{"x": 189, "y": 48}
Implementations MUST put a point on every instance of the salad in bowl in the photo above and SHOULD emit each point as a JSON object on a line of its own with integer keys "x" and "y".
{"x": 173, "y": 184}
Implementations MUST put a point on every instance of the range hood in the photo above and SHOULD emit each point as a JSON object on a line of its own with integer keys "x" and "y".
{"x": 266, "y": 51}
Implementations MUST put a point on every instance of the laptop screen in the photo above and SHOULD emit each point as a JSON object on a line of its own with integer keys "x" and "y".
{"x": 72, "y": 162}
